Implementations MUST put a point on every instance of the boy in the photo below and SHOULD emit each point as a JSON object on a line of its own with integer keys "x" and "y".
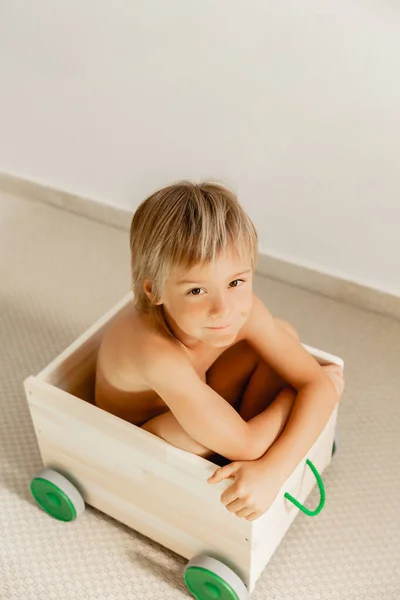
{"x": 199, "y": 361}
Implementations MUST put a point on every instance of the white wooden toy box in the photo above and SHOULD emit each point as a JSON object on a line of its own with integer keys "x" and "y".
{"x": 151, "y": 486}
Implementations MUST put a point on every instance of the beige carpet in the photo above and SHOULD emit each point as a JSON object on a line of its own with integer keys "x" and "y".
{"x": 58, "y": 273}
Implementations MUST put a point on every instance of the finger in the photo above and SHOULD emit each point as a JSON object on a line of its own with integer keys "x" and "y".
{"x": 223, "y": 473}
{"x": 244, "y": 513}
{"x": 229, "y": 495}
{"x": 253, "y": 516}
{"x": 237, "y": 505}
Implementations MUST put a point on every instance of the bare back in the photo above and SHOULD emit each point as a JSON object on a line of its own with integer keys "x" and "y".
{"x": 120, "y": 388}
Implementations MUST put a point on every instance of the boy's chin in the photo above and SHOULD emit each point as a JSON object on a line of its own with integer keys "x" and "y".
{"x": 220, "y": 341}
{"x": 221, "y": 344}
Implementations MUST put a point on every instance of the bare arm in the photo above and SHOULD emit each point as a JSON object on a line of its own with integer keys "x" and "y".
{"x": 202, "y": 413}
{"x": 316, "y": 397}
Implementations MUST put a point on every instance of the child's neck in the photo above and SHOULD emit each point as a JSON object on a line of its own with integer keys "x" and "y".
{"x": 189, "y": 342}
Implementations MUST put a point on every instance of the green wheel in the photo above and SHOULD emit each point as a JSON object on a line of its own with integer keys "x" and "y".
{"x": 209, "y": 579}
{"x": 56, "y": 495}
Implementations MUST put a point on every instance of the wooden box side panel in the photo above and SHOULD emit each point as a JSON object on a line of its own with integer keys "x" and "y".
{"x": 270, "y": 529}
{"x": 74, "y": 369}
{"x": 137, "y": 478}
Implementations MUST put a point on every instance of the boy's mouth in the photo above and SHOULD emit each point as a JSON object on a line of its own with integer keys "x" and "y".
{"x": 218, "y": 328}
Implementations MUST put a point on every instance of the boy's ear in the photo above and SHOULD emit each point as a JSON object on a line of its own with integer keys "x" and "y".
{"x": 148, "y": 290}
{"x": 147, "y": 286}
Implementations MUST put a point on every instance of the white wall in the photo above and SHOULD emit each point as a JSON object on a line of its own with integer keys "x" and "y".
{"x": 296, "y": 105}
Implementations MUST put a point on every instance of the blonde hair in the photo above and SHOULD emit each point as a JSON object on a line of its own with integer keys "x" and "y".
{"x": 180, "y": 226}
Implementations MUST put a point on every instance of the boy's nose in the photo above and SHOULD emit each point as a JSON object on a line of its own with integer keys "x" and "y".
{"x": 219, "y": 308}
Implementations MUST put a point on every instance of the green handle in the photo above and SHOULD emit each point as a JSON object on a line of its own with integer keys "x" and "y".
{"x": 311, "y": 513}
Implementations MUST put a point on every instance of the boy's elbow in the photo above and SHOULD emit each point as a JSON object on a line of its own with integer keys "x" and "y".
{"x": 254, "y": 453}
{"x": 332, "y": 389}
{"x": 249, "y": 449}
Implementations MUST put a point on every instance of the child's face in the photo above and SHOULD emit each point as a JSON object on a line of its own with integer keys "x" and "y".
{"x": 210, "y": 303}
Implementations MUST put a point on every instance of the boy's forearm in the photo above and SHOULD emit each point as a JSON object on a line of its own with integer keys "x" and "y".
{"x": 267, "y": 426}
{"x": 312, "y": 409}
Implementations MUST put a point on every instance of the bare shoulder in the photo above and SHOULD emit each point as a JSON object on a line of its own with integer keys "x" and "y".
{"x": 260, "y": 321}
{"x": 163, "y": 358}
{"x": 280, "y": 350}
{"x": 155, "y": 352}
{"x": 130, "y": 348}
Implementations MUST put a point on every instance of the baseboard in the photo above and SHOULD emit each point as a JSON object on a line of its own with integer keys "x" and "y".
{"x": 350, "y": 292}
{"x": 85, "y": 207}
{"x": 356, "y": 294}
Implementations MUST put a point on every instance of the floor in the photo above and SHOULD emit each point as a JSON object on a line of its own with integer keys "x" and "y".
{"x": 58, "y": 273}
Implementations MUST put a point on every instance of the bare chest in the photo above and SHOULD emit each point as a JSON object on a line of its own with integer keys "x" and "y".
{"x": 126, "y": 396}
{"x": 120, "y": 387}
{"x": 203, "y": 360}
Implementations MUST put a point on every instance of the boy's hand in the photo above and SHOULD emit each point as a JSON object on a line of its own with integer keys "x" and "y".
{"x": 256, "y": 484}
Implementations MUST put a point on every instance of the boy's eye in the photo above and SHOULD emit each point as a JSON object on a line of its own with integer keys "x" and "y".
{"x": 199, "y": 291}
{"x": 236, "y": 282}
{"x": 195, "y": 292}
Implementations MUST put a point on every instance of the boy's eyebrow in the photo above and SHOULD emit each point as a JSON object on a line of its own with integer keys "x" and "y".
{"x": 232, "y": 277}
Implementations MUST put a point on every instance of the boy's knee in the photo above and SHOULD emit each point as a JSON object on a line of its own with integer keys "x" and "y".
{"x": 168, "y": 428}
{"x": 289, "y": 328}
